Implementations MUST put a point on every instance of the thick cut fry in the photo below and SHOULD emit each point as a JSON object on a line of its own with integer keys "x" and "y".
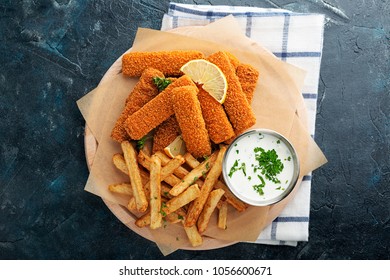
{"x": 143, "y": 221}
{"x": 144, "y": 91}
{"x": 222, "y": 215}
{"x": 155, "y": 193}
{"x": 182, "y": 199}
{"x": 216, "y": 120}
{"x": 208, "y": 209}
{"x": 212, "y": 177}
{"x": 230, "y": 197}
{"x": 135, "y": 176}
{"x": 193, "y": 176}
{"x": 120, "y": 163}
{"x": 177, "y": 216}
{"x": 123, "y": 188}
{"x": 188, "y": 113}
{"x": 236, "y": 105}
{"x": 193, "y": 236}
{"x": 248, "y": 76}
{"x": 180, "y": 172}
{"x": 191, "y": 161}
{"x": 144, "y": 160}
{"x": 155, "y": 111}
{"x": 165, "y": 134}
{"x": 132, "y": 205}
{"x": 165, "y": 190}
{"x": 168, "y": 169}
{"x": 168, "y": 62}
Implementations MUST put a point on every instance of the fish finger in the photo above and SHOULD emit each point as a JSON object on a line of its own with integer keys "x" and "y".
{"x": 168, "y": 62}
{"x": 248, "y": 76}
{"x": 155, "y": 111}
{"x": 236, "y": 105}
{"x": 189, "y": 116}
{"x": 144, "y": 91}
{"x": 217, "y": 123}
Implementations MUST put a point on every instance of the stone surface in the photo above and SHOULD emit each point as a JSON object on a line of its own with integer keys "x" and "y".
{"x": 54, "y": 52}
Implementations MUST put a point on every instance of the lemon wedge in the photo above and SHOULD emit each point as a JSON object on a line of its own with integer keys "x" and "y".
{"x": 209, "y": 75}
{"x": 177, "y": 147}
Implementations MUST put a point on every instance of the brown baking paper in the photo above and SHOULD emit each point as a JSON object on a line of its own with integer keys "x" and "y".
{"x": 277, "y": 103}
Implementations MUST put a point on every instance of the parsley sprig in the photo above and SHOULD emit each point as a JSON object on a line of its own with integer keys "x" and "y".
{"x": 269, "y": 164}
{"x": 235, "y": 168}
{"x": 161, "y": 83}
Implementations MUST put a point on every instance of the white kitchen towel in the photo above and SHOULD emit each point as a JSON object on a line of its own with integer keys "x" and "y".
{"x": 296, "y": 38}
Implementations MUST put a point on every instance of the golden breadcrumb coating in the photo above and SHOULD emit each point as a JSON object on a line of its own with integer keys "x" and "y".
{"x": 217, "y": 123}
{"x": 233, "y": 59}
{"x": 236, "y": 105}
{"x": 144, "y": 91}
{"x": 189, "y": 116}
{"x": 165, "y": 134}
{"x": 155, "y": 111}
{"x": 168, "y": 62}
{"x": 248, "y": 76}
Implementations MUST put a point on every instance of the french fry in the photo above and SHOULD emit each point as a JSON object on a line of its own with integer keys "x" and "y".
{"x": 193, "y": 235}
{"x": 171, "y": 166}
{"x": 167, "y": 170}
{"x": 130, "y": 156}
{"x": 165, "y": 190}
{"x": 180, "y": 172}
{"x": 222, "y": 214}
{"x": 123, "y": 188}
{"x": 182, "y": 199}
{"x": 230, "y": 197}
{"x": 212, "y": 177}
{"x": 177, "y": 216}
{"x": 119, "y": 162}
{"x": 194, "y": 175}
{"x": 132, "y": 205}
{"x": 144, "y": 160}
{"x": 143, "y": 221}
{"x": 191, "y": 160}
{"x": 208, "y": 209}
{"x": 155, "y": 193}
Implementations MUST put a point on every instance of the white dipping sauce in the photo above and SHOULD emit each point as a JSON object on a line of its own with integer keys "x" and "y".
{"x": 246, "y": 176}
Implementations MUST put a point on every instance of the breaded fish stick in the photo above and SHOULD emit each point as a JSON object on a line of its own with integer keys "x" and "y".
{"x": 189, "y": 116}
{"x": 165, "y": 134}
{"x": 236, "y": 105}
{"x": 248, "y": 76}
{"x": 155, "y": 111}
{"x": 233, "y": 59}
{"x": 144, "y": 91}
{"x": 168, "y": 62}
{"x": 217, "y": 123}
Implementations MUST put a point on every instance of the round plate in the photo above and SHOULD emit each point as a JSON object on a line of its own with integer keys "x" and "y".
{"x": 124, "y": 215}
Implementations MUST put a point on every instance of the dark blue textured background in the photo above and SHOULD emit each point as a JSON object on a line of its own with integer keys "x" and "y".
{"x": 54, "y": 52}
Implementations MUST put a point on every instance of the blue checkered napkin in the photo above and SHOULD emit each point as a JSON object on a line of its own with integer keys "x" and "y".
{"x": 296, "y": 38}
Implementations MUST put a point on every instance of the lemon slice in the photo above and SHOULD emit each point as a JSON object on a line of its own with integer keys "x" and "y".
{"x": 209, "y": 75}
{"x": 177, "y": 147}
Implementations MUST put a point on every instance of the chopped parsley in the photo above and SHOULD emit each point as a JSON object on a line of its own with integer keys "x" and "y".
{"x": 269, "y": 164}
{"x": 161, "y": 83}
{"x": 235, "y": 168}
{"x": 142, "y": 141}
